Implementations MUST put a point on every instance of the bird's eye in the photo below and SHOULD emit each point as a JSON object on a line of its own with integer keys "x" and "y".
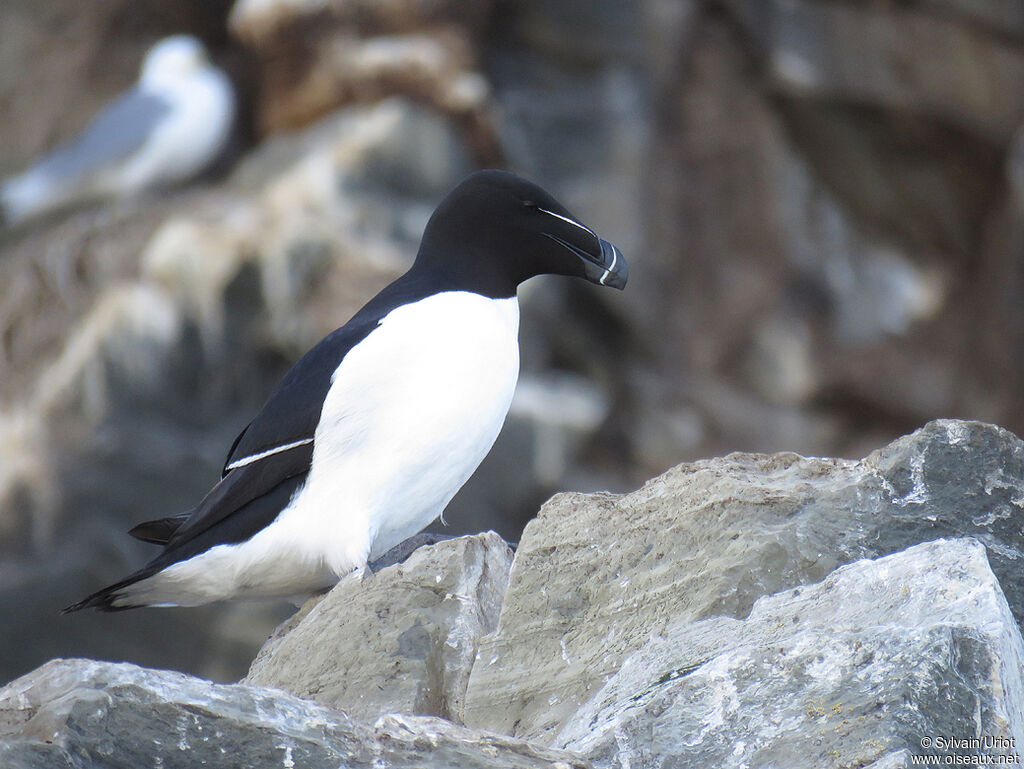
{"x": 529, "y": 204}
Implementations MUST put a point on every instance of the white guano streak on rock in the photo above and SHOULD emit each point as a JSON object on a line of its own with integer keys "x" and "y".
{"x": 919, "y": 493}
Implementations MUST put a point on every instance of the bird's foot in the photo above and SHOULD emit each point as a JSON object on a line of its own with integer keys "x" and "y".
{"x": 400, "y": 552}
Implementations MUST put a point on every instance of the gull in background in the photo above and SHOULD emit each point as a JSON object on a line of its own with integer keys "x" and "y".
{"x": 166, "y": 129}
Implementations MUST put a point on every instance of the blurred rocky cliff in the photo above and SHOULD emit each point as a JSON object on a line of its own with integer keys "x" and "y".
{"x": 820, "y": 201}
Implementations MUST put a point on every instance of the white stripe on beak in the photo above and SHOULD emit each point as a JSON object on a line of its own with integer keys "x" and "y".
{"x": 615, "y": 258}
{"x": 567, "y": 219}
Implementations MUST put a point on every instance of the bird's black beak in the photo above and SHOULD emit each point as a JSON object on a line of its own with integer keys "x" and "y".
{"x": 610, "y": 270}
{"x": 603, "y": 263}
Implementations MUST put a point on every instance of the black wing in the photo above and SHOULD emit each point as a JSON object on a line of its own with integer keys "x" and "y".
{"x": 275, "y": 448}
{"x": 289, "y": 418}
{"x": 278, "y": 443}
{"x": 292, "y": 412}
{"x": 238, "y": 489}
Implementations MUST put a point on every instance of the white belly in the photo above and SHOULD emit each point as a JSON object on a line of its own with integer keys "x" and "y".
{"x": 411, "y": 413}
{"x": 409, "y": 417}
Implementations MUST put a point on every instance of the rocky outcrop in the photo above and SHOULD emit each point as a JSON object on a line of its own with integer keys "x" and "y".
{"x": 711, "y": 538}
{"x": 937, "y": 65}
{"x": 852, "y": 670}
{"x": 743, "y": 611}
{"x": 77, "y": 713}
{"x": 751, "y": 610}
{"x": 413, "y": 630}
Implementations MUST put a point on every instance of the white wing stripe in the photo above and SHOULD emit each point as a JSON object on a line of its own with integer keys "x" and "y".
{"x": 268, "y": 453}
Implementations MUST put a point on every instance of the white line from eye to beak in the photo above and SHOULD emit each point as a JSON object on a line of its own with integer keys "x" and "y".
{"x": 615, "y": 258}
{"x": 268, "y": 453}
{"x": 567, "y": 219}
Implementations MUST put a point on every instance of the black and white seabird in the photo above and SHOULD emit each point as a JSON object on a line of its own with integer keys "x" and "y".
{"x": 373, "y": 431}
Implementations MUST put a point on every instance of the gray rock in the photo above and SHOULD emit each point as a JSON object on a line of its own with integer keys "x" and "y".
{"x": 120, "y": 715}
{"x": 37, "y": 755}
{"x": 595, "y": 577}
{"x": 85, "y": 714}
{"x": 409, "y": 742}
{"x": 401, "y": 640}
{"x": 853, "y": 670}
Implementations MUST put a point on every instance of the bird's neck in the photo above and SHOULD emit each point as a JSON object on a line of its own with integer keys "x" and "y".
{"x": 470, "y": 273}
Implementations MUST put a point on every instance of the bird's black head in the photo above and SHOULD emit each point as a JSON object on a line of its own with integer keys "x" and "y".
{"x": 495, "y": 230}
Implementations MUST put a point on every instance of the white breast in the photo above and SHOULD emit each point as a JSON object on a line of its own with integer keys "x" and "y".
{"x": 411, "y": 413}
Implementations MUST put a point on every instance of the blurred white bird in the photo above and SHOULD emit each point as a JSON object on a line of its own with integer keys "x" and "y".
{"x": 166, "y": 129}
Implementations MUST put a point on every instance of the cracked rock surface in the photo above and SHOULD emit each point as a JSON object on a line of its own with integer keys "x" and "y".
{"x": 410, "y": 633}
{"x": 710, "y": 538}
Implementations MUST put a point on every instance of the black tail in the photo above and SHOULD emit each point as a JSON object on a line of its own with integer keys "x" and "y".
{"x": 158, "y": 532}
{"x": 101, "y": 600}
{"x": 104, "y": 599}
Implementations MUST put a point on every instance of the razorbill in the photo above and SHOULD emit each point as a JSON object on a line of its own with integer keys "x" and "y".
{"x": 369, "y": 435}
{"x": 170, "y": 126}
